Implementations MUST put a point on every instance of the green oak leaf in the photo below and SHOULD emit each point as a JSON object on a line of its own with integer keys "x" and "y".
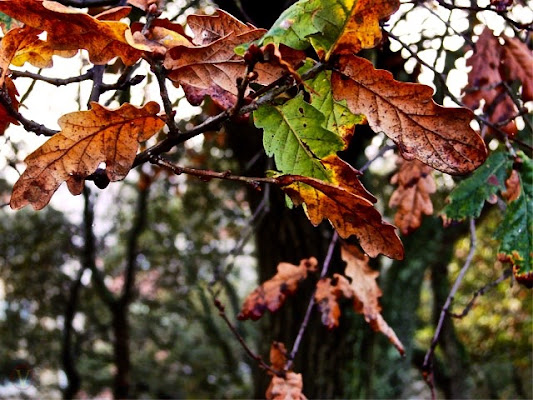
{"x": 294, "y": 134}
{"x": 294, "y": 25}
{"x": 516, "y": 229}
{"x": 338, "y": 118}
{"x": 468, "y": 198}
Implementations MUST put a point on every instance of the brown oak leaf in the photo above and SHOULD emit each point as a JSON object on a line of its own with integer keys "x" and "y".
{"x": 160, "y": 37}
{"x": 5, "y": 116}
{"x": 348, "y": 209}
{"x": 512, "y": 187}
{"x": 286, "y": 388}
{"x": 517, "y": 61}
{"x": 278, "y": 356}
{"x": 69, "y": 29}
{"x": 328, "y": 292}
{"x": 437, "y": 136}
{"x": 272, "y": 294}
{"x": 366, "y": 292}
{"x": 212, "y": 67}
{"x": 86, "y": 139}
{"x": 485, "y": 81}
{"x": 412, "y": 196}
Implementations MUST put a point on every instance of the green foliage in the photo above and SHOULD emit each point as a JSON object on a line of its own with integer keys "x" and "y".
{"x": 294, "y": 134}
{"x": 293, "y": 26}
{"x": 516, "y": 229}
{"x": 468, "y": 198}
{"x": 339, "y": 118}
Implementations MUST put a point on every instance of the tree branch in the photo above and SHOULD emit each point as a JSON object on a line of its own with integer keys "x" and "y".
{"x": 256, "y": 357}
{"x": 427, "y": 366}
{"x": 507, "y": 273}
{"x": 305, "y": 322}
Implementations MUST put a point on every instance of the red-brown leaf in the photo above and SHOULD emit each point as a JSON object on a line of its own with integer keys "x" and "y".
{"x": 272, "y": 294}
{"x": 440, "y": 137}
{"x": 366, "y": 292}
{"x": 412, "y": 196}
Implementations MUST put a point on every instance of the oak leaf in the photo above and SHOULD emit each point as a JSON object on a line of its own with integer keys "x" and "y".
{"x": 485, "y": 81}
{"x": 328, "y": 292}
{"x": 69, "y": 29}
{"x": 366, "y": 292}
{"x": 468, "y": 198}
{"x": 516, "y": 230}
{"x": 348, "y": 26}
{"x": 161, "y": 36}
{"x": 212, "y": 67}
{"x": 278, "y": 356}
{"x": 517, "y": 60}
{"x": 86, "y": 139}
{"x": 349, "y": 209}
{"x": 512, "y": 187}
{"x": 13, "y": 40}
{"x": 272, "y": 294}
{"x": 412, "y": 196}
{"x": 288, "y": 387}
{"x": 437, "y": 136}
{"x": 5, "y": 117}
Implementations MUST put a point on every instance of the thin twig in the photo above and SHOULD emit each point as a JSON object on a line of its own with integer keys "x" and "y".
{"x": 507, "y": 273}
{"x": 427, "y": 366}
{"x": 233, "y": 329}
{"x": 205, "y": 174}
{"x": 305, "y": 322}
{"x": 160, "y": 74}
{"x": 380, "y": 154}
{"x": 29, "y": 125}
{"x": 53, "y": 81}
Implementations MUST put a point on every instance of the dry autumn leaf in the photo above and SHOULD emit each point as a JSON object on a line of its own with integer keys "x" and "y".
{"x": 87, "y": 138}
{"x": 412, "y": 196}
{"x": 286, "y": 388}
{"x": 348, "y": 209}
{"x": 512, "y": 187}
{"x": 272, "y": 294}
{"x": 437, "y": 136}
{"x": 485, "y": 82}
{"x": 212, "y": 67}
{"x": 328, "y": 292}
{"x": 517, "y": 61}
{"x": 366, "y": 292}
{"x": 278, "y": 356}
{"x": 69, "y": 29}
{"x": 5, "y": 116}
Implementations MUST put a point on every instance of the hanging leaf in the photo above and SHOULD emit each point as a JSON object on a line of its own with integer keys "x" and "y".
{"x": 412, "y": 196}
{"x": 87, "y": 138}
{"x": 516, "y": 229}
{"x": 348, "y": 210}
{"x": 5, "y": 116}
{"x": 366, "y": 292}
{"x": 439, "y": 137}
{"x": 69, "y": 29}
{"x": 517, "y": 59}
{"x": 512, "y": 187}
{"x": 328, "y": 292}
{"x": 272, "y": 294}
{"x": 286, "y": 388}
{"x": 469, "y": 196}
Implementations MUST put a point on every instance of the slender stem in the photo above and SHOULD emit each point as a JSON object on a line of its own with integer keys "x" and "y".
{"x": 233, "y": 329}
{"x": 480, "y": 292}
{"x": 208, "y": 174}
{"x": 305, "y": 322}
{"x": 427, "y": 366}
{"x": 53, "y": 81}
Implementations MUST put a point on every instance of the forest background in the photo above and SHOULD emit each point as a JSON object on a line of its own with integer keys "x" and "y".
{"x": 193, "y": 245}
